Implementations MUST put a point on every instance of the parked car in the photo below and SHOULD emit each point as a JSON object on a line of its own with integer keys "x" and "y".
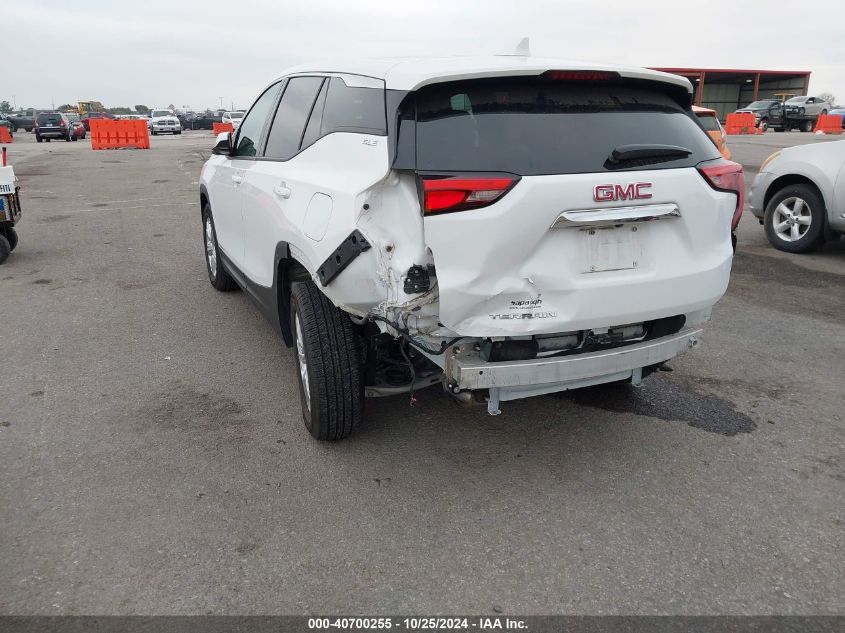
{"x": 767, "y": 113}
{"x": 233, "y": 117}
{"x": 489, "y": 224}
{"x": 53, "y": 125}
{"x": 802, "y": 112}
{"x": 22, "y": 120}
{"x": 710, "y": 121}
{"x": 78, "y": 126}
{"x": 6, "y": 123}
{"x": 799, "y": 196}
{"x": 164, "y": 121}
{"x": 86, "y": 118}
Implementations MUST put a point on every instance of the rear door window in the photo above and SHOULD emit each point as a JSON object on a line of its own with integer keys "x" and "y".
{"x": 535, "y": 126}
{"x": 289, "y": 123}
{"x": 709, "y": 122}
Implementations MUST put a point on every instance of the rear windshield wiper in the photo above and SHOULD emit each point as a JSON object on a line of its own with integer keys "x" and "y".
{"x": 645, "y": 154}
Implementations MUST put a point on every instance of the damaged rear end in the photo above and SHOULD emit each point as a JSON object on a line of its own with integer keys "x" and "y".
{"x": 569, "y": 229}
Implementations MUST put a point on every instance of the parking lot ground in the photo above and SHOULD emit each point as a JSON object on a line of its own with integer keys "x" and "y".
{"x": 153, "y": 461}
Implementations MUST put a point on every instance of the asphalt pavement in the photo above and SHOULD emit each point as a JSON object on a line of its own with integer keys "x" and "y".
{"x": 153, "y": 458}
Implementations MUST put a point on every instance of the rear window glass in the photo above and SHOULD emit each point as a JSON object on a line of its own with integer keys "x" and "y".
{"x": 49, "y": 119}
{"x": 534, "y": 126}
{"x": 709, "y": 122}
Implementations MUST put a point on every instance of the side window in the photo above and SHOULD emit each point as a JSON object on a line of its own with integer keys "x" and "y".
{"x": 249, "y": 131}
{"x": 312, "y": 130}
{"x": 289, "y": 123}
{"x": 353, "y": 109}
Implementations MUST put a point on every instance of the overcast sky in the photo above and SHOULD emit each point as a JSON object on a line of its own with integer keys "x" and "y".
{"x": 191, "y": 53}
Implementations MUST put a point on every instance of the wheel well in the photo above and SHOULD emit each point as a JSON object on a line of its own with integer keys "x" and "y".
{"x": 289, "y": 270}
{"x": 786, "y": 181}
{"x": 203, "y": 201}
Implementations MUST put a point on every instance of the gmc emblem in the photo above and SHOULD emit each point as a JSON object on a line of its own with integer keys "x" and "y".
{"x": 631, "y": 191}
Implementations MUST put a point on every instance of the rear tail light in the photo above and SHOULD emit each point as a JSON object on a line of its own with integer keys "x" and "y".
{"x": 727, "y": 176}
{"x": 580, "y": 75}
{"x": 445, "y": 194}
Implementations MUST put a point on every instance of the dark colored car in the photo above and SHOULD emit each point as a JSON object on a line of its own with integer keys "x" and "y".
{"x": 205, "y": 121}
{"x": 94, "y": 115}
{"x": 767, "y": 113}
{"x": 50, "y": 125}
{"x": 22, "y": 120}
{"x": 78, "y": 127}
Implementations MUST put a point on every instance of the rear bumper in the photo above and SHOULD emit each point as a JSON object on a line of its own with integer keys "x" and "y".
{"x": 52, "y": 132}
{"x": 524, "y": 378}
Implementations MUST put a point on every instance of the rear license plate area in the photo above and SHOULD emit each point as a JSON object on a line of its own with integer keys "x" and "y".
{"x": 609, "y": 248}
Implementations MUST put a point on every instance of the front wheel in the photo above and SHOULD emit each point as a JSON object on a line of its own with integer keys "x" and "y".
{"x": 764, "y": 125}
{"x": 331, "y": 387}
{"x": 794, "y": 219}
{"x": 808, "y": 126}
{"x": 217, "y": 275}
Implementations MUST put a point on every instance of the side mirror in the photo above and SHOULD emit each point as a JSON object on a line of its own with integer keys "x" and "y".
{"x": 223, "y": 145}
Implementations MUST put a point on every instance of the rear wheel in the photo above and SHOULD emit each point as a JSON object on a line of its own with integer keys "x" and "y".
{"x": 12, "y": 237}
{"x": 38, "y": 138}
{"x": 5, "y": 249}
{"x": 328, "y": 363}
{"x": 794, "y": 219}
{"x": 807, "y": 126}
{"x": 217, "y": 274}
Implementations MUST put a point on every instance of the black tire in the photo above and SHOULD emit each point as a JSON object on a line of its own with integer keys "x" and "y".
{"x": 807, "y": 126}
{"x": 764, "y": 124}
{"x": 824, "y": 112}
{"x": 324, "y": 336}
{"x": 813, "y": 237}
{"x": 46, "y": 140}
{"x": 217, "y": 274}
{"x": 73, "y": 137}
{"x": 779, "y": 129}
{"x": 5, "y": 249}
{"x": 11, "y": 236}
{"x": 179, "y": 132}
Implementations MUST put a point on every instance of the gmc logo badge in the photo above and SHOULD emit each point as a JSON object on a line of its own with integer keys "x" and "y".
{"x": 631, "y": 191}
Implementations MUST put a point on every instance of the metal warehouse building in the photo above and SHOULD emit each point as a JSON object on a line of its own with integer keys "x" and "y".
{"x": 725, "y": 90}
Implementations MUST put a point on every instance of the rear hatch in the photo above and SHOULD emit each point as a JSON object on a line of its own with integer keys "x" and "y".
{"x": 50, "y": 122}
{"x": 570, "y": 201}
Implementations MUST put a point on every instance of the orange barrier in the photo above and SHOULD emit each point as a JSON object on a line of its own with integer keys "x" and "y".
{"x": 5, "y": 136}
{"x": 740, "y": 123}
{"x": 115, "y": 134}
{"x": 829, "y": 124}
{"x": 222, "y": 127}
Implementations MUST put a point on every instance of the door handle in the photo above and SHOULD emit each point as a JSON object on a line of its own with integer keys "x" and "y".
{"x": 282, "y": 190}
{"x": 237, "y": 179}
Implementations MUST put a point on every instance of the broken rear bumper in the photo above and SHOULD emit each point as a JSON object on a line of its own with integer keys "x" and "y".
{"x": 511, "y": 380}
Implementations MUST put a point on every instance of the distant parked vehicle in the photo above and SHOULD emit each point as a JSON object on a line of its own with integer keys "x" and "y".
{"x": 53, "y": 125}
{"x": 233, "y": 117}
{"x": 22, "y": 120}
{"x": 799, "y": 196}
{"x": 86, "y": 118}
{"x": 78, "y": 127}
{"x": 6, "y": 123}
{"x": 164, "y": 121}
{"x": 715, "y": 131}
{"x": 767, "y": 113}
{"x": 802, "y": 112}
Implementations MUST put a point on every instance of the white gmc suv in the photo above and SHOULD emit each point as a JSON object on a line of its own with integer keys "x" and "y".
{"x": 505, "y": 226}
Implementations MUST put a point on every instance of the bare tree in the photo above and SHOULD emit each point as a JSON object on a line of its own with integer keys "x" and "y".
{"x": 829, "y": 97}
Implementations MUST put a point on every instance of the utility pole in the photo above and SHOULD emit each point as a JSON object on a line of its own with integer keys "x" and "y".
{"x": 14, "y": 103}
{"x": 221, "y": 102}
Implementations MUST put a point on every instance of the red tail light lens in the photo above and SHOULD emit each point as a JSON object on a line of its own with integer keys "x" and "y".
{"x": 444, "y": 194}
{"x": 727, "y": 176}
{"x": 580, "y": 75}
